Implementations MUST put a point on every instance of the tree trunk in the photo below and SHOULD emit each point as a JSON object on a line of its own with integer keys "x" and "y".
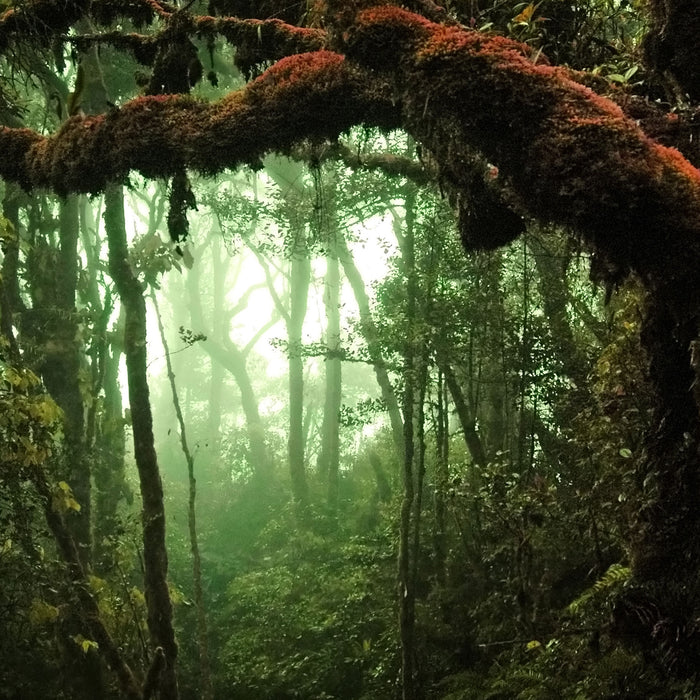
{"x": 110, "y": 449}
{"x": 228, "y": 356}
{"x": 160, "y": 612}
{"x": 329, "y": 456}
{"x": 369, "y": 333}
{"x": 466, "y": 420}
{"x": 52, "y": 327}
{"x": 289, "y": 178}
{"x": 299, "y": 292}
{"x": 202, "y": 634}
{"x": 407, "y": 553}
{"x": 660, "y": 610}
{"x": 442, "y": 475}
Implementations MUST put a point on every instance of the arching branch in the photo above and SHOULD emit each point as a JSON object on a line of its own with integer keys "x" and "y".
{"x": 571, "y": 156}
{"x": 315, "y": 95}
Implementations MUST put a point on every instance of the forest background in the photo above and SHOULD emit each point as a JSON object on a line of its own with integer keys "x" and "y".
{"x": 268, "y": 431}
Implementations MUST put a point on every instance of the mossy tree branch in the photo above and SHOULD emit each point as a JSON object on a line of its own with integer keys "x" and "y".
{"x": 316, "y": 95}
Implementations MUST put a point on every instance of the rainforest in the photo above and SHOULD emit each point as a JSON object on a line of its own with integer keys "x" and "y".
{"x": 349, "y": 350}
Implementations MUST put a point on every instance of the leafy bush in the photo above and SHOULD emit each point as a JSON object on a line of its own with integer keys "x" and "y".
{"x": 315, "y": 620}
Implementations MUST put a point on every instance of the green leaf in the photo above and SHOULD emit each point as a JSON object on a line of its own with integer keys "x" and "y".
{"x": 85, "y": 644}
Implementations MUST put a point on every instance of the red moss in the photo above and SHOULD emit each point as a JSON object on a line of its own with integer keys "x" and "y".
{"x": 396, "y": 18}
{"x": 676, "y": 162}
{"x": 260, "y": 41}
{"x": 381, "y": 35}
{"x": 307, "y": 96}
{"x": 14, "y": 145}
{"x": 571, "y": 155}
{"x": 300, "y": 69}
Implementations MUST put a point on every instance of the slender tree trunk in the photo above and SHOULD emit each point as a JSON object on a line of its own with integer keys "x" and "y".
{"x": 406, "y": 591}
{"x": 206, "y": 692}
{"x": 329, "y": 456}
{"x": 369, "y": 332}
{"x": 420, "y": 387}
{"x": 552, "y": 263}
{"x": 289, "y": 178}
{"x": 105, "y": 437}
{"x": 521, "y": 461}
{"x": 216, "y": 386}
{"x": 160, "y": 612}
{"x": 215, "y": 410}
{"x": 110, "y": 449}
{"x": 64, "y": 376}
{"x": 442, "y": 449}
{"x": 406, "y": 570}
{"x": 299, "y": 293}
{"x": 466, "y": 420}
{"x": 228, "y": 356}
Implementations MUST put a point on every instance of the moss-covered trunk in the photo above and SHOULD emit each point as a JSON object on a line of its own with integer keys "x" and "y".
{"x": 51, "y": 328}
{"x": 660, "y": 611}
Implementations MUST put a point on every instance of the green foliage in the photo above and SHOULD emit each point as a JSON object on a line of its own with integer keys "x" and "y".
{"x": 605, "y": 586}
{"x": 30, "y": 420}
{"x": 580, "y": 667}
{"x": 306, "y": 608}
{"x": 314, "y": 619}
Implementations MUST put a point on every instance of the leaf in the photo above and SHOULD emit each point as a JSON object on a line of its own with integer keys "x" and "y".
{"x": 7, "y": 230}
{"x": 533, "y": 644}
{"x": 626, "y": 452}
{"x": 97, "y": 584}
{"x": 85, "y": 644}
{"x": 613, "y": 578}
{"x": 63, "y": 499}
{"x": 72, "y": 504}
{"x": 526, "y": 15}
{"x": 13, "y": 377}
{"x": 46, "y": 410}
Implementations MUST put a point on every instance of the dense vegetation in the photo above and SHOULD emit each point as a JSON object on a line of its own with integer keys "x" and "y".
{"x": 349, "y": 352}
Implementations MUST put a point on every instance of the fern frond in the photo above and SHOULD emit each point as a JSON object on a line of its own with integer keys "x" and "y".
{"x": 614, "y": 577}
